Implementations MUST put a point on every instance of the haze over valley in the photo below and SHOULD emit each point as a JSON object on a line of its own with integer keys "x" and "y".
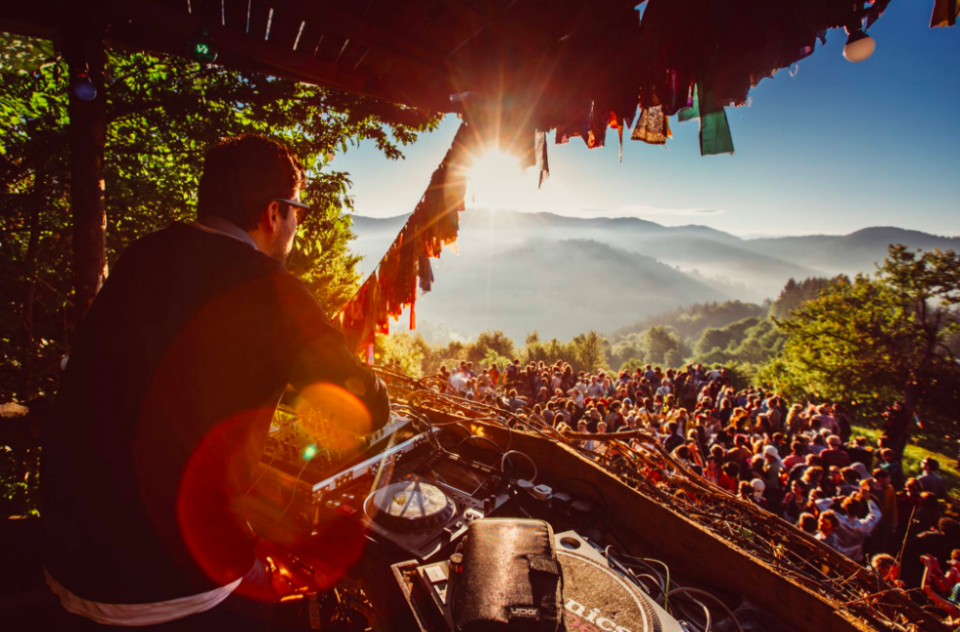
{"x": 520, "y": 272}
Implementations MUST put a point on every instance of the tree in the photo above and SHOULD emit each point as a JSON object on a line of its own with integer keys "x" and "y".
{"x": 659, "y": 342}
{"x": 673, "y": 358}
{"x": 403, "y": 350}
{"x": 495, "y": 341}
{"x": 794, "y": 294}
{"x": 162, "y": 113}
{"x": 590, "y": 352}
{"x": 875, "y": 340}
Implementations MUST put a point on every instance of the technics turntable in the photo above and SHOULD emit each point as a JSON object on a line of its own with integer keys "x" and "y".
{"x": 409, "y": 506}
{"x": 424, "y": 501}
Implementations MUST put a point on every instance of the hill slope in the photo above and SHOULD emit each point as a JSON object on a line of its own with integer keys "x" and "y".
{"x": 560, "y": 288}
{"x": 856, "y": 252}
{"x": 713, "y": 254}
{"x": 521, "y": 271}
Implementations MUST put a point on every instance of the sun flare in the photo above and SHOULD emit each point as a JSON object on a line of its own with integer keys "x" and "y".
{"x": 496, "y": 180}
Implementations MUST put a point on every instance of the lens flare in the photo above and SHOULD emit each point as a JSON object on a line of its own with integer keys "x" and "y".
{"x": 496, "y": 179}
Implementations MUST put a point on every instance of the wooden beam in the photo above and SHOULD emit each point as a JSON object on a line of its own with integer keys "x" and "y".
{"x": 82, "y": 44}
{"x": 129, "y": 19}
{"x": 331, "y": 19}
{"x": 33, "y": 19}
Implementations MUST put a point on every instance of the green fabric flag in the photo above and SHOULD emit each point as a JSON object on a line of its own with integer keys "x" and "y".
{"x": 715, "y": 134}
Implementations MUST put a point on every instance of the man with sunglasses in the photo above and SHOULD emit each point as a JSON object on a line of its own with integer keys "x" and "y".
{"x": 166, "y": 403}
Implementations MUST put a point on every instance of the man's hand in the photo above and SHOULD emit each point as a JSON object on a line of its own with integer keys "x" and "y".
{"x": 285, "y": 576}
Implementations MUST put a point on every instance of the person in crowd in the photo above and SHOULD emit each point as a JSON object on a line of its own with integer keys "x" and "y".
{"x": 937, "y": 542}
{"x": 896, "y": 428}
{"x": 931, "y": 481}
{"x": 827, "y": 527}
{"x": 887, "y": 568}
{"x": 883, "y": 494}
{"x": 807, "y": 523}
{"x": 794, "y": 503}
{"x": 834, "y": 454}
{"x": 855, "y": 530}
{"x": 729, "y": 477}
{"x": 889, "y": 462}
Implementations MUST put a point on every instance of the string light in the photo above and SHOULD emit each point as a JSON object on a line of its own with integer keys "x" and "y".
{"x": 203, "y": 48}
{"x": 859, "y": 45}
{"x": 83, "y": 87}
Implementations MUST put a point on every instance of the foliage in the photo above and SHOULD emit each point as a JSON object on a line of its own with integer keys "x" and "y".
{"x": 872, "y": 341}
{"x": 749, "y": 340}
{"x": 162, "y": 114}
{"x": 402, "y": 350}
{"x": 589, "y": 352}
{"x": 921, "y": 447}
{"x": 690, "y": 321}
{"x": 660, "y": 341}
{"x": 19, "y": 481}
{"x": 496, "y": 342}
{"x": 795, "y": 294}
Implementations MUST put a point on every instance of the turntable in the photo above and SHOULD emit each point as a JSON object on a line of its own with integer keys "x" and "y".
{"x": 422, "y": 516}
{"x": 409, "y": 506}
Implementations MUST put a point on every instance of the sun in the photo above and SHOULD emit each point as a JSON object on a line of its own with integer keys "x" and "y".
{"x": 496, "y": 180}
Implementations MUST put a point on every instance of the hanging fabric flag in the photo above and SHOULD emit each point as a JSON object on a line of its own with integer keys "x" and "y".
{"x": 653, "y": 127}
{"x": 434, "y": 223}
{"x": 426, "y": 273}
{"x": 541, "y": 154}
{"x": 945, "y": 13}
{"x": 715, "y": 135}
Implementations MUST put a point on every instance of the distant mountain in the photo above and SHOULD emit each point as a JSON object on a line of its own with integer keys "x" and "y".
{"x": 716, "y": 257}
{"x": 856, "y": 252}
{"x": 564, "y": 275}
{"x": 560, "y": 288}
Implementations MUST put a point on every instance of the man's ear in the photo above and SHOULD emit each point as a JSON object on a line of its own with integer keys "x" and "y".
{"x": 270, "y": 217}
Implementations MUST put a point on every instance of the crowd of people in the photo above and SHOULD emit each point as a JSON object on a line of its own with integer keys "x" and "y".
{"x": 799, "y": 461}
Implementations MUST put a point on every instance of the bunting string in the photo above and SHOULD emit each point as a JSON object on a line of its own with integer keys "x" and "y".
{"x": 434, "y": 223}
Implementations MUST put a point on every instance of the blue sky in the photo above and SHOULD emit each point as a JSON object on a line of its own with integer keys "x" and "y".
{"x": 830, "y": 147}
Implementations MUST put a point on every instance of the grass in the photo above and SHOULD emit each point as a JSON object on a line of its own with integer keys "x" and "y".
{"x": 919, "y": 448}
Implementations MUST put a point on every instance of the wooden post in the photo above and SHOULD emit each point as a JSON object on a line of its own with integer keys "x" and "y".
{"x": 84, "y": 51}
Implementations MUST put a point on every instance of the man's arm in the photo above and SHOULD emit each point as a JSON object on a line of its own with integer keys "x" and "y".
{"x": 325, "y": 371}
{"x": 865, "y": 526}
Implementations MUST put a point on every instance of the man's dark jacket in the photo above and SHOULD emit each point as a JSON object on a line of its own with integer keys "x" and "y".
{"x": 164, "y": 410}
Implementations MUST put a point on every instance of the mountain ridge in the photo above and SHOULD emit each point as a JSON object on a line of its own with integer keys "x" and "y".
{"x": 513, "y": 262}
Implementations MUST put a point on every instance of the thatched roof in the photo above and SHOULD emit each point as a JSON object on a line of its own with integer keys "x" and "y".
{"x": 577, "y": 66}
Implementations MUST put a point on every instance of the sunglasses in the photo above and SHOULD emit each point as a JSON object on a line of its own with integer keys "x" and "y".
{"x": 300, "y": 209}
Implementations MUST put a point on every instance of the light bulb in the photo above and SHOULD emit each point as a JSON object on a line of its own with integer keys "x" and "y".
{"x": 203, "y": 48}
{"x": 84, "y": 88}
{"x": 859, "y": 46}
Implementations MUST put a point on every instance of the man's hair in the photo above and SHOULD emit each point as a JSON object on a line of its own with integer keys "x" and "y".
{"x": 852, "y": 505}
{"x": 831, "y": 517}
{"x": 807, "y": 522}
{"x": 242, "y": 174}
{"x": 882, "y": 561}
